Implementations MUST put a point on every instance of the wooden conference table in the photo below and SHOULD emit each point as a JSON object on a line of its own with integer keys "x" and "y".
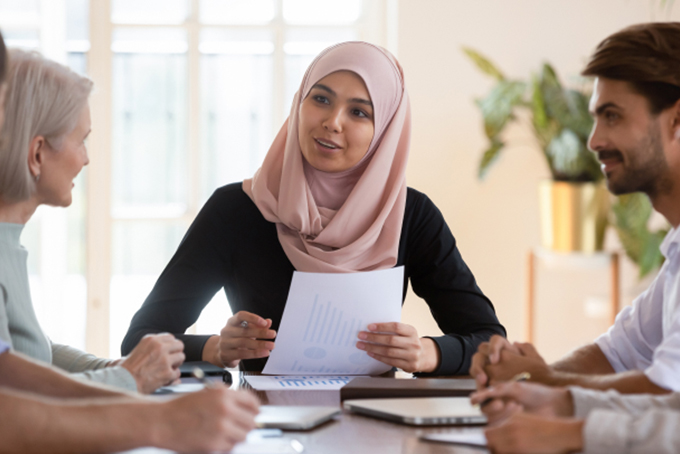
{"x": 348, "y": 433}
{"x": 353, "y": 433}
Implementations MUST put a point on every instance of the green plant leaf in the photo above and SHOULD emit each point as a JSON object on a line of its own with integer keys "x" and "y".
{"x": 591, "y": 166}
{"x": 564, "y": 150}
{"x": 498, "y": 106}
{"x": 569, "y": 107}
{"x": 549, "y": 77}
{"x": 557, "y": 105}
{"x": 488, "y": 158}
{"x": 651, "y": 258}
{"x": 570, "y": 159}
{"x": 540, "y": 117}
{"x": 484, "y": 64}
{"x": 666, "y": 4}
{"x": 632, "y": 211}
{"x": 631, "y": 215}
{"x": 631, "y": 242}
{"x": 578, "y": 119}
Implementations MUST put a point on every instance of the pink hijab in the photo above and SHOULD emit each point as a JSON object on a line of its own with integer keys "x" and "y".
{"x": 346, "y": 221}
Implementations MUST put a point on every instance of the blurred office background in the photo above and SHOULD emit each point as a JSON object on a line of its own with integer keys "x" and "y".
{"x": 190, "y": 93}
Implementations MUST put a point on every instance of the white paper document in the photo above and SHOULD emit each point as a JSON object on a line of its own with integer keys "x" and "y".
{"x": 258, "y": 441}
{"x": 180, "y": 388}
{"x": 323, "y": 315}
{"x": 298, "y": 382}
{"x": 467, "y": 438}
{"x": 268, "y": 441}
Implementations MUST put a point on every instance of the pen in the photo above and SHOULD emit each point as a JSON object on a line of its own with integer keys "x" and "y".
{"x": 199, "y": 375}
{"x": 523, "y": 376}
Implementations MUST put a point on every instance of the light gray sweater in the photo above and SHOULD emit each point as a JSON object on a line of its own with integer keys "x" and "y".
{"x": 638, "y": 423}
{"x": 20, "y": 328}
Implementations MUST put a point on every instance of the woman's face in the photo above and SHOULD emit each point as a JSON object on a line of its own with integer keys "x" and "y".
{"x": 336, "y": 122}
{"x": 60, "y": 168}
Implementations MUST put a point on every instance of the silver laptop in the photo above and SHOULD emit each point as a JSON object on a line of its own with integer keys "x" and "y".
{"x": 420, "y": 411}
{"x": 294, "y": 417}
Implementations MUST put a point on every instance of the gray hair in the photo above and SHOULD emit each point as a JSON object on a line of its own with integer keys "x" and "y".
{"x": 44, "y": 98}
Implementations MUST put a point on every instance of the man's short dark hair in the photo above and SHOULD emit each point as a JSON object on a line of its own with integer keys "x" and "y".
{"x": 645, "y": 55}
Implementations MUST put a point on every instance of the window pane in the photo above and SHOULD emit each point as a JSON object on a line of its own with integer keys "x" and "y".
{"x": 77, "y": 61}
{"x": 316, "y": 12}
{"x": 141, "y": 249}
{"x": 300, "y": 48}
{"x": 77, "y": 20}
{"x": 60, "y": 304}
{"x": 215, "y": 315}
{"x": 149, "y": 11}
{"x": 144, "y": 247}
{"x": 19, "y": 14}
{"x": 77, "y": 34}
{"x": 149, "y": 127}
{"x": 236, "y": 42}
{"x": 149, "y": 41}
{"x": 23, "y": 39}
{"x": 55, "y": 240}
{"x": 236, "y": 97}
{"x": 75, "y": 216}
{"x": 237, "y": 11}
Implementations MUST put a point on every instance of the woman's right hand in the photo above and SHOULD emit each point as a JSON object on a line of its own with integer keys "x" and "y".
{"x": 237, "y": 342}
{"x": 211, "y": 420}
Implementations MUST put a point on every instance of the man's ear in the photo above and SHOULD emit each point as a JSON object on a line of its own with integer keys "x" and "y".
{"x": 36, "y": 148}
{"x": 675, "y": 120}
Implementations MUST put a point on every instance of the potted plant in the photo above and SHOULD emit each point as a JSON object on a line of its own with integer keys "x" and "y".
{"x": 574, "y": 203}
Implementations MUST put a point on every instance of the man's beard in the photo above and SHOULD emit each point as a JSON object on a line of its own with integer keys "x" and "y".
{"x": 645, "y": 169}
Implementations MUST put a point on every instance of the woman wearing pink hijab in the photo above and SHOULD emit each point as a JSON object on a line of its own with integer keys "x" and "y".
{"x": 330, "y": 197}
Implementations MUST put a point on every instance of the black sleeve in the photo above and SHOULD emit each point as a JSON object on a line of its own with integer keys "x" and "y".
{"x": 188, "y": 283}
{"x": 440, "y": 276}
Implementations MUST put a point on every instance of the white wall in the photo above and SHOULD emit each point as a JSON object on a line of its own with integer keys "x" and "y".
{"x": 496, "y": 221}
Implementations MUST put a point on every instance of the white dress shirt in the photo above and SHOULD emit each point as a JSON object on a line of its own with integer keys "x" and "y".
{"x": 646, "y": 336}
{"x": 633, "y": 423}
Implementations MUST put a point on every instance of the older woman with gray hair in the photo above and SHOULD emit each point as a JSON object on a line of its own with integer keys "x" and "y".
{"x": 47, "y": 119}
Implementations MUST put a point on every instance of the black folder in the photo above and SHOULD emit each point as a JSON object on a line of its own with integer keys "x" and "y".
{"x": 208, "y": 369}
{"x": 379, "y": 387}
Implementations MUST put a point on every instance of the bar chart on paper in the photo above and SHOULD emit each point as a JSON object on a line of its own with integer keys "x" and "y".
{"x": 323, "y": 316}
{"x": 327, "y": 327}
{"x": 298, "y": 382}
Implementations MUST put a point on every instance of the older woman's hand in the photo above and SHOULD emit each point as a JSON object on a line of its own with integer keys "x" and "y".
{"x": 244, "y": 337}
{"x": 398, "y": 345}
{"x": 154, "y": 362}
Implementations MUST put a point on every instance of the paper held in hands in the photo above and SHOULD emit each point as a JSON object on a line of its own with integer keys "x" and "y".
{"x": 323, "y": 315}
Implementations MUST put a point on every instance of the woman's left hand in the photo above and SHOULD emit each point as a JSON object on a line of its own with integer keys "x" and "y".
{"x": 398, "y": 345}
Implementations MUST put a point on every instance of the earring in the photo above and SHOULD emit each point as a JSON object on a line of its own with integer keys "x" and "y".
{"x": 677, "y": 134}
{"x": 37, "y": 178}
